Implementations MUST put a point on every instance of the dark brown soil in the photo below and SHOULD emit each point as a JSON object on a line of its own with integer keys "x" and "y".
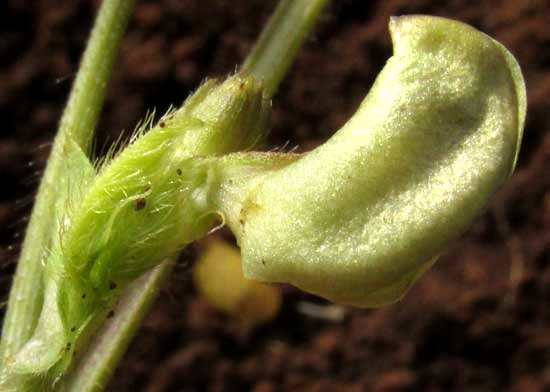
{"x": 478, "y": 321}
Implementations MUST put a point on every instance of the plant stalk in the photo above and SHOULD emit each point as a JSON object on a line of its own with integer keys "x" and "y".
{"x": 74, "y": 136}
{"x": 279, "y": 42}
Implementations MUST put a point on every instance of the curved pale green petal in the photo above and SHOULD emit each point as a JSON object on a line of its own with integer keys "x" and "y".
{"x": 358, "y": 219}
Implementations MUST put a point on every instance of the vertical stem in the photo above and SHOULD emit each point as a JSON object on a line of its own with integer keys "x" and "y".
{"x": 281, "y": 39}
{"x": 88, "y": 92}
{"x": 75, "y": 133}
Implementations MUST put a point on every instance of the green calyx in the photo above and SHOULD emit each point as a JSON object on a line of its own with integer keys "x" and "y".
{"x": 360, "y": 218}
{"x": 152, "y": 198}
{"x": 142, "y": 206}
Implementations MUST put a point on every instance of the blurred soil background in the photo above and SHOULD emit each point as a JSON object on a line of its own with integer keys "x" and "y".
{"x": 478, "y": 321}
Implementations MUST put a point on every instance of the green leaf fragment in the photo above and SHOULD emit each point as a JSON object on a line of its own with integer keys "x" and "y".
{"x": 360, "y": 218}
{"x": 48, "y": 343}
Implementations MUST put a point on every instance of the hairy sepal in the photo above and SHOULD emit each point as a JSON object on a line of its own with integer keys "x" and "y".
{"x": 141, "y": 207}
{"x": 360, "y": 218}
{"x": 153, "y": 198}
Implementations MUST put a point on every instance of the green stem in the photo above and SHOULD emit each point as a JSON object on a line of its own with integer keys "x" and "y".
{"x": 88, "y": 92}
{"x": 74, "y": 135}
{"x": 279, "y": 43}
{"x": 93, "y": 371}
{"x": 281, "y": 39}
